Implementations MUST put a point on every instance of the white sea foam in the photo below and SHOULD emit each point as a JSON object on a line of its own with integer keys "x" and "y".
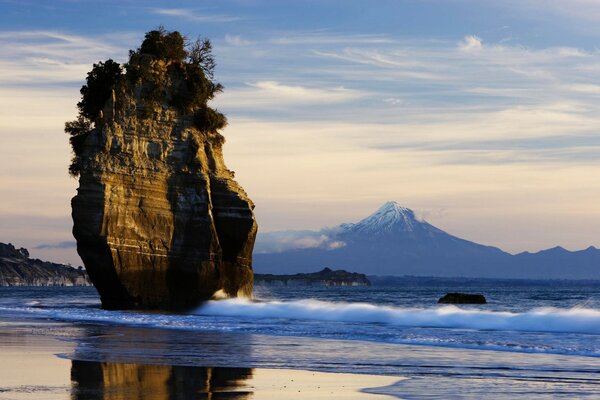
{"x": 574, "y": 320}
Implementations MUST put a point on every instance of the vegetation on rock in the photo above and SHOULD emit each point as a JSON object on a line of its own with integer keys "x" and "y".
{"x": 100, "y": 82}
{"x": 166, "y": 72}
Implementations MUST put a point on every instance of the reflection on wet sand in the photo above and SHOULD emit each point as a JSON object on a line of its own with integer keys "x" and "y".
{"x": 100, "y": 380}
{"x": 134, "y": 363}
{"x": 143, "y": 363}
{"x": 95, "y": 380}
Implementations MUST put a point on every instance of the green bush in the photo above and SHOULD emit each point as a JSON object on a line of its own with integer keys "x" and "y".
{"x": 78, "y": 131}
{"x": 100, "y": 81}
{"x": 208, "y": 120}
{"x": 168, "y": 46}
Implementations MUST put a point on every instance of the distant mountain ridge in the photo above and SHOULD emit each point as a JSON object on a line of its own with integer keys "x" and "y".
{"x": 17, "y": 269}
{"x": 392, "y": 241}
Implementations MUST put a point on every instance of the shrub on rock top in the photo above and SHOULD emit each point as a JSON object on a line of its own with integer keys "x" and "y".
{"x": 186, "y": 86}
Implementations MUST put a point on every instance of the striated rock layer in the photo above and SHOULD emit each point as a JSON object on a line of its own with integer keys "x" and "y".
{"x": 158, "y": 218}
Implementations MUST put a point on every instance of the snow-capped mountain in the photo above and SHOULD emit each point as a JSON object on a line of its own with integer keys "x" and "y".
{"x": 392, "y": 241}
{"x": 390, "y": 217}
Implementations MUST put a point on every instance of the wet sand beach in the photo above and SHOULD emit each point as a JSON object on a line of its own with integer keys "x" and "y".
{"x": 36, "y": 366}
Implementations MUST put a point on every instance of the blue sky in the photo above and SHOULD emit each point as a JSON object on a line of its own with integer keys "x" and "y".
{"x": 482, "y": 116}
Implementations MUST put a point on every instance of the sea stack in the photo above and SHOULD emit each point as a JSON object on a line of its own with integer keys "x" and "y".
{"x": 158, "y": 219}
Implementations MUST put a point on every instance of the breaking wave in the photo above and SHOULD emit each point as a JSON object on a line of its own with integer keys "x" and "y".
{"x": 573, "y": 320}
{"x": 539, "y": 330}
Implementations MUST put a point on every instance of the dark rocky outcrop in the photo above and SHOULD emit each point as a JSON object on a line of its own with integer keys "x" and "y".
{"x": 158, "y": 219}
{"x": 462, "y": 298}
{"x": 17, "y": 269}
{"x": 326, "y": 277}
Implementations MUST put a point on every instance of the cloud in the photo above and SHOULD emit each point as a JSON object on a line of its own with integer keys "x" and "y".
{"x": 572, "y": 52}
{"x": 60, "y": 245}
{"x": 402, "y": 66}
{"x": 277, "y": 242}
{"x": 192, "y": 15}
{"x": 329, "y": 38}
{"x": 588, "y": 88}
{"x": 273, "y": 94}
{"x": 303, "y": 93}
{"x": 470, "y": 43}
{"x": 236, "y": 40}
{"x": 49, "y": 57}
{"x": 393, "y": 101}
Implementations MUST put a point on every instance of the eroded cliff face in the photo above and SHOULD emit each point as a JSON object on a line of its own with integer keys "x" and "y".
{"x": 158, "y": 218}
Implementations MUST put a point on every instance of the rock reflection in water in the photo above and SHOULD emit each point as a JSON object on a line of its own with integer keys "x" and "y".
{"x": 116, "y": 381}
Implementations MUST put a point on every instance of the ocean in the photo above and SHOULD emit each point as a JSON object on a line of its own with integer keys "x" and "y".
{"x": 532, "y": 339}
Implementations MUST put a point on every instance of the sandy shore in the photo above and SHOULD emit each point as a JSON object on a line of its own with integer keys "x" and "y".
{"x": 34, "y": 367}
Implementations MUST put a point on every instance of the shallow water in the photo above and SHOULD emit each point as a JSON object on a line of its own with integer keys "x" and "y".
{"x": 531, "y": 340}
{"x": 554, "y": 318}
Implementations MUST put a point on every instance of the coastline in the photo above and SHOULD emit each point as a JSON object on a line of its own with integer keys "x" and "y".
{"x": 193, "y": 348}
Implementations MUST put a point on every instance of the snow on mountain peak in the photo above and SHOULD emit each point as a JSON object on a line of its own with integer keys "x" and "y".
{"x": 393, "y": 207}
{"x": 390, "y": 216}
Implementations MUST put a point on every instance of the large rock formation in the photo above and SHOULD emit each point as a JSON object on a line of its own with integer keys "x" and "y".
{"x": 158, "y": 218}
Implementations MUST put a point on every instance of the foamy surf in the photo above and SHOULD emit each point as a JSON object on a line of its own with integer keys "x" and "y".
{"x": 574, "y": 331}
{"x": 574, "y": 320}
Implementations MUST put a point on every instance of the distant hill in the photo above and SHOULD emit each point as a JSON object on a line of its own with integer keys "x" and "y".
{"x": 392, "y": 241}
{"x": 325, "y": 277}
{"x": 17, "y": 269}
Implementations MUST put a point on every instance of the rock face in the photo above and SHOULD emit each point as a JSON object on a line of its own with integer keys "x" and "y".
{"x": 462, "y": 298}
{"x": 17, "y": 269}
{"x": 158, "y": 219}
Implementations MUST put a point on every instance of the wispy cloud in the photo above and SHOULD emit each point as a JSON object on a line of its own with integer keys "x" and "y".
{"x": 470, "y": 43}
{"x": 588, "y": 88}
{"x": 193, "y": 15}
{"x": 236, "y": 40}
{"x": 401, "y": 65}
{"x": 71, "y": 244}
{"x": 303, "y": 93}
{"x": 329, "y": 38}
{"x": 275, "y": 94}
{"x": 50, "y": 57}
{"x": 276, "y": 242}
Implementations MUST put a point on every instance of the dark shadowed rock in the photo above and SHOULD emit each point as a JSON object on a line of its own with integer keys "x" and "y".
{"x": 462, "y": 298}
{"x": 158, "y": 218}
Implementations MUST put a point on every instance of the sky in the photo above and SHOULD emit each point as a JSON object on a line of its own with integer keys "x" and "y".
{"x": 481, "y": 116}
